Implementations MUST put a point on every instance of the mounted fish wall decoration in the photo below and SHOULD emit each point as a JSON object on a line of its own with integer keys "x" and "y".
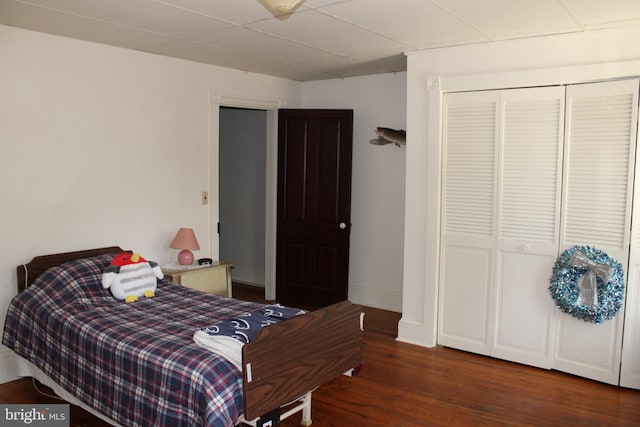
{"x": 390, "y": 136}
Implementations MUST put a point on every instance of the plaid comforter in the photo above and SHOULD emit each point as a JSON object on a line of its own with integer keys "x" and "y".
{"x": 136, "y": 362}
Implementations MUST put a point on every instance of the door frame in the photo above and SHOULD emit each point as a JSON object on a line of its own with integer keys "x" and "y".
{"x": 271, "y": 107}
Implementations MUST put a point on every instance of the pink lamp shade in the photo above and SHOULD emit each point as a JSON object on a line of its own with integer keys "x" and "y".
{"x": 186, "y": 240}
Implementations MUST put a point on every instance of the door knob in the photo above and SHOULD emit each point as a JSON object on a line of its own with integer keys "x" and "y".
{"x": 342, "y": 226}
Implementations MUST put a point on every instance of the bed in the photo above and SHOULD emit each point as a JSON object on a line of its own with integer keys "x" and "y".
{"x": 136, "y": 364}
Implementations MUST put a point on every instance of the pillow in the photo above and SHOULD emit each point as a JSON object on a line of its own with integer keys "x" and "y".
{"x": 73, "y": 280}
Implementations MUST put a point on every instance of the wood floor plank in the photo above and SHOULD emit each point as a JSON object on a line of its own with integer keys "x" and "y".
{"x": 405, "y": 385}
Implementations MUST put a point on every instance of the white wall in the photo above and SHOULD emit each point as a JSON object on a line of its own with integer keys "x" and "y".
{"x": 377, "y": 201}
{"x": 571, "y": 58}
{"x": 105, "y": 146}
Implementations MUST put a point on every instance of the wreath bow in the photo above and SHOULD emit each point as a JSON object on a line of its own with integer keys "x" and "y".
{"x": 588, "y": 283}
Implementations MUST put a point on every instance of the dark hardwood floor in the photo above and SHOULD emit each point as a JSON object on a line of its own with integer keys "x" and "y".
{"x": 407, "y": 385}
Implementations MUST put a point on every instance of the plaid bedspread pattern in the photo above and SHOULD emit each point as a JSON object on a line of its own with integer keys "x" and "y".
{"x": 136, "y": 362}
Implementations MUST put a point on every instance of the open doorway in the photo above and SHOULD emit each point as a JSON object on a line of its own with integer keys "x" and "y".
{"x": 242, "y": 192}
{"x": 270, "y": 109}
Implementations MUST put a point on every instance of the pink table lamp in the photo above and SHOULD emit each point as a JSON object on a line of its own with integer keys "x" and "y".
{"x": 186, "y": 240}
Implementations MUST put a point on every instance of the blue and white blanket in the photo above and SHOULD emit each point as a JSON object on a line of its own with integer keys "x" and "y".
{"x": 227, "y": 337}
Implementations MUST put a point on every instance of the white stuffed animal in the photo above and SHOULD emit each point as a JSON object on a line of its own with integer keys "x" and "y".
{"x": 130, "y": 276}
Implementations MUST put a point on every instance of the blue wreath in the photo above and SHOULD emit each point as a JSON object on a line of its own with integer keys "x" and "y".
{"x": 564, "y": 286}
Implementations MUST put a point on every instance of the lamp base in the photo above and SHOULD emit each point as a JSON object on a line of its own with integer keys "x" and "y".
{"x": 185, "y": 257}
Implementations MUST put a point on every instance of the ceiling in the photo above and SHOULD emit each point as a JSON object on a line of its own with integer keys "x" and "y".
{"x": 323, "y": 39}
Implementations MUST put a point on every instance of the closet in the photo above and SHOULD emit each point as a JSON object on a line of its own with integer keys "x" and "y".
{"x": 527, "y": 174}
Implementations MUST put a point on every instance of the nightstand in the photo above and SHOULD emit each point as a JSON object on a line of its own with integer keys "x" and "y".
{"x": 214, "y": 278}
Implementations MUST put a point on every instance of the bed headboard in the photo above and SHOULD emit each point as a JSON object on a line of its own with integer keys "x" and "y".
{"x": 27, "y": 273}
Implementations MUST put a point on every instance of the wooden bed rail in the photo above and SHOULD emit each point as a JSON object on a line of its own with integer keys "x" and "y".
{"x": 290, "y": 358}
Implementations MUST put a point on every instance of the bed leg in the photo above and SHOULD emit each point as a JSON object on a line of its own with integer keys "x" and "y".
{"x": 306, "y": 410}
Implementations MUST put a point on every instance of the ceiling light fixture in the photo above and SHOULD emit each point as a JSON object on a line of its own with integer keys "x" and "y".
{"x": 281, "y": 9}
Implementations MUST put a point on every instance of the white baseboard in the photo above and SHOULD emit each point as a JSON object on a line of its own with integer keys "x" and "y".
{"x": 376, "y": 298}
{"x": 242, "y": 282}
{"x": 8, "y": 366}
{"x": 247, "y": 275}
{"x": 413, "y": 332}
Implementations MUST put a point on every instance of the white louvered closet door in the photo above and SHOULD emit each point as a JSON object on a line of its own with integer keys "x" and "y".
{"x": 600, "y": 144}
{"x": 468, "y": 218}
{"x": 630, "y": 365}
{"x": 528, "y": 222}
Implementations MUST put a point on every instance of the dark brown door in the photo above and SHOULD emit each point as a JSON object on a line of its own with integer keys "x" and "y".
{"x": 314, "y": 206}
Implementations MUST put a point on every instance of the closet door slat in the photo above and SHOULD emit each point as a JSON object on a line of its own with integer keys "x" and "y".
{"x": 530, "y": 175}
{"x": 597, "y": 183}
{"x": 470, "y": 158}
